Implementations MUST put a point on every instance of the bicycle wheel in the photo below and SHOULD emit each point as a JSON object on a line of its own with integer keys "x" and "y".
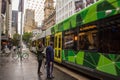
{"x": 15, "y": 56}
{"x": 25, "y": 55}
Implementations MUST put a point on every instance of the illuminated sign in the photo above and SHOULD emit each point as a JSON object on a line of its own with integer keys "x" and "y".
{"x": 88, "y": 27}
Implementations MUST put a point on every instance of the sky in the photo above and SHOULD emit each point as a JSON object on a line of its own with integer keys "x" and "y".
{"x": 38, "y": 15}
{"x": 15, "y": 4}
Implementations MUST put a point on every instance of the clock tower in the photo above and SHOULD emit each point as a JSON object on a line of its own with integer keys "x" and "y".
{"x": 49, "y": 8}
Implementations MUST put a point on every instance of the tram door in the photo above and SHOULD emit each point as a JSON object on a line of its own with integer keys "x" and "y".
{"x": 58, "y": 47}
{"x": 47, "y": 41}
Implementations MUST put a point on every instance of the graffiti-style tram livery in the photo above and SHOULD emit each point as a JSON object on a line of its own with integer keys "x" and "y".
{"x": 89, "y": 42}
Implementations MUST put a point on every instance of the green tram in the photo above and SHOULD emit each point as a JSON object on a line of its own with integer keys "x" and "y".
{"x": 89, "y": 40}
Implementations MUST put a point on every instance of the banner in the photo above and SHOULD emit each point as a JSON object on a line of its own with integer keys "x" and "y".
{"x": 79, "y": 5}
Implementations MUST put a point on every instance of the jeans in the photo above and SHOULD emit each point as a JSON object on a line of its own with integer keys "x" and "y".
{"x": 49, "y": 70}
{"x": 39, "y": 65}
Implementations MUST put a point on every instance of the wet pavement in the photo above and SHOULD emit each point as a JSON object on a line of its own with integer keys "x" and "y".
{"x": 11, "y": 69}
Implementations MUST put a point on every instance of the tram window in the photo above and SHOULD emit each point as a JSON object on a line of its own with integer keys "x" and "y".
{"x": 69, "y": 41}
{"x": 83, "y": 42}
{"x": 59, "y": 52}
{"x": 88, "y": 40}
{"x": 109, "y": 40}
{"x": 55, "y": 41}
{"x": 48, "y": 42}
{"x": 59, "y": 41}
{"x": 55, "y": 53}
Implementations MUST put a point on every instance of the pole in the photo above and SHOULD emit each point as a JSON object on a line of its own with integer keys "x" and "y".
{"x": 21, "y": 39}
{"x": 21, "y": 32}
{"x": 0, "y": 24}
{"x": 0, "y": 31}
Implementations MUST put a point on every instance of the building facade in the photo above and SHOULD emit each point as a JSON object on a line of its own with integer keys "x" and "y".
{"x": 50, "y": 21}
{"x": 48, "y": 8}
{"x": 29, "y": 21}
{"x": 38, "y": 6}
{"x": 66, "y": 8}
{"x": 5, "y": 21}
{"x": 6, "y": 13}
{"x": 8, "y": 17}
{"x": 49, "y": 14}
{"x": 14, "y": 22}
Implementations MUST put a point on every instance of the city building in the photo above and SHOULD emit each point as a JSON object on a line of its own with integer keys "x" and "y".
{"x": 48, "y": 22}
{"x": 66, "y": 8}
{"x": 29, "y": 20}
{"x": 5, "y": 21}
{"x": 1, "y": 19}
{"x": 6, "y": 13}
{"x": 38, "y": 6}
{"x": 14, "y": 22}
{"x": 8, "y": 18}
{"x": 49, "y": 14}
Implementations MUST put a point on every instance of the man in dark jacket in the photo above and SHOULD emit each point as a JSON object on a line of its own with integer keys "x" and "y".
{"x": 40, "y": 49}
{"x": 50, "y": 60}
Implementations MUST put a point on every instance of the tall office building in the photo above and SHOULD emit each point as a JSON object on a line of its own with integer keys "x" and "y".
{"x": 29, "y": 21}
{"x": 38, "y": 6}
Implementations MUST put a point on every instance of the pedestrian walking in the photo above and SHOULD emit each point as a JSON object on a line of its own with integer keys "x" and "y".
{"x": 40, "y": 55}
{"x": 50, "y": 60}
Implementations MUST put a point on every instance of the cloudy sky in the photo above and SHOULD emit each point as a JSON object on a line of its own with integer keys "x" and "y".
{"x": 39, "y": 13}
{"x": 15, "y": 4}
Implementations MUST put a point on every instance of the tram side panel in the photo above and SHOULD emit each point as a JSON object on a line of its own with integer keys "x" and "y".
{"x": 98, "y": 45}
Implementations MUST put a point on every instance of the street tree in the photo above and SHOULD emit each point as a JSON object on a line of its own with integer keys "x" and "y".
{"x": 26, "y": 37}
{"x": 16, "y": 39}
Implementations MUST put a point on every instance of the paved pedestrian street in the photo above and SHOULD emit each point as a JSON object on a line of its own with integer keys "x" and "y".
{"x": 11, "y": 69}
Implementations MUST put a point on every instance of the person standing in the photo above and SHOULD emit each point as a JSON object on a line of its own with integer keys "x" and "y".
{"x": 40, "y": 49}
{"x": 50, "y": 60}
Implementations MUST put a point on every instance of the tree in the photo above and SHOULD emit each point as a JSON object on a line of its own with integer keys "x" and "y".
{"x": 26, "y": 37}
{"x": 16, "y": 39}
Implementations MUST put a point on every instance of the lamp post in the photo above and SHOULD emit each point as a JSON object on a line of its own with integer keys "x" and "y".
{"x": 21, "y": 39}
{"x": 21, "y": 6}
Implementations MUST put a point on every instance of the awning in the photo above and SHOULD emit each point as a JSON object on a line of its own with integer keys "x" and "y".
{"x": 4, "y": 38}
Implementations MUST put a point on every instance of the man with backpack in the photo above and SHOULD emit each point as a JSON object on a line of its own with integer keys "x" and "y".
{"x": 50, "y": 60}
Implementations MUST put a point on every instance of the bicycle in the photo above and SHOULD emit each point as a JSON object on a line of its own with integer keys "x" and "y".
{"x": 5, "y": 52}
{"x": 17, "y": 54}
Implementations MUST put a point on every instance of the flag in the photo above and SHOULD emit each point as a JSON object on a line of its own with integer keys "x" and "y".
{"x": 21, "y": 5}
